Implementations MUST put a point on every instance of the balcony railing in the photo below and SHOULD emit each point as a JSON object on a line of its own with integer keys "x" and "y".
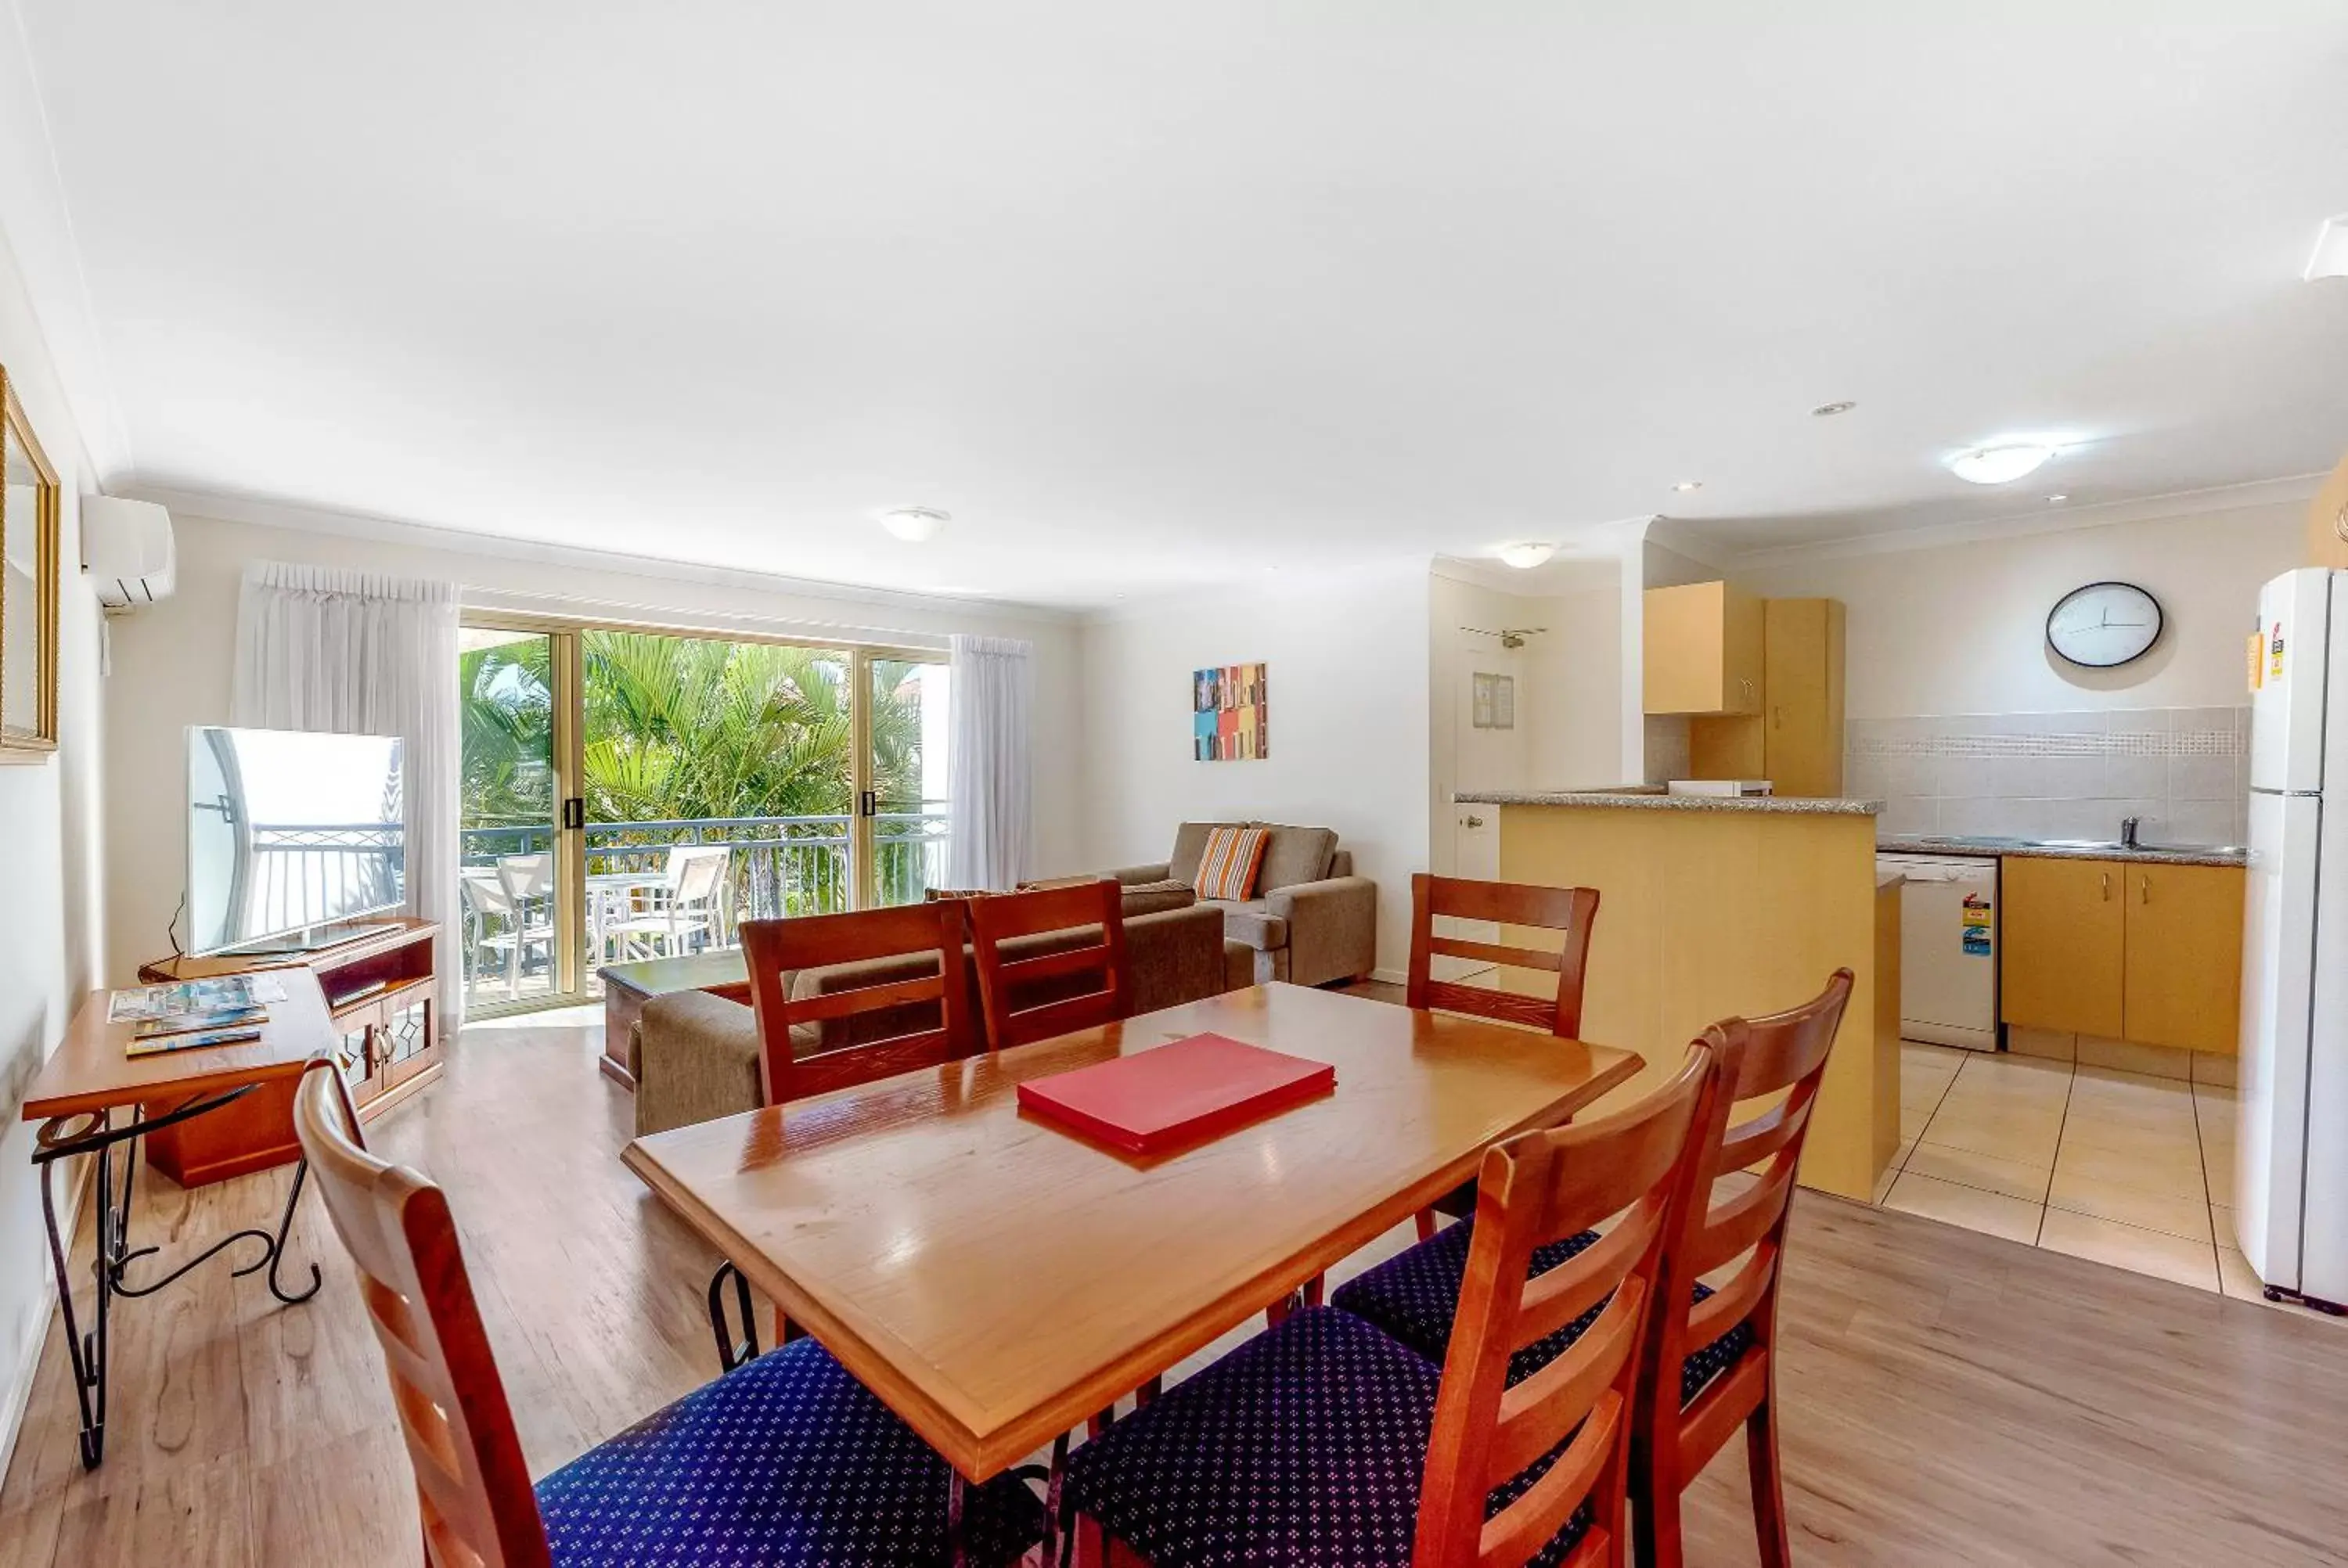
{"x": 782, "y": 866}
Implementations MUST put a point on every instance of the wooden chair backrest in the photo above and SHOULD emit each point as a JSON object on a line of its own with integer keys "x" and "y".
{"x": 777, "y": 950}
{"x": 999, "y": 918}
{"x": 1535, "y": 1188}
{"x": 1567, "y": 910}
{"x": 1783, "y": 1057}
{"x": 471, "y": 1482}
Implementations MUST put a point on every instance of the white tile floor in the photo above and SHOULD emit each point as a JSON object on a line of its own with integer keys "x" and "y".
{"x": 2121, "y": 1167}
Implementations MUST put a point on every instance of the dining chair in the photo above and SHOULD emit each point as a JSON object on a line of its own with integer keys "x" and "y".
{"x": 755, "y": 1467}
{"x": 1323, "y": 1441}
{"x": 1568, "y": 910}
{"x": 1004, "y": 981}
{"x": 1693, "y": 1397}
{"x": 793, "y": 1068}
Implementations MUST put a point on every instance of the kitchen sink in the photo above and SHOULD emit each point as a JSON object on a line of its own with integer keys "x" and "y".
{"x": 1991, "y": 844}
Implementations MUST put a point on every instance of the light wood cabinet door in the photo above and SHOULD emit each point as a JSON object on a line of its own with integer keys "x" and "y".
{"x": 2066, "y": 933}
{"x": 2184, "y": 957}
{"x": 1701, "y": 650}
{"x": 1802, "y": 681}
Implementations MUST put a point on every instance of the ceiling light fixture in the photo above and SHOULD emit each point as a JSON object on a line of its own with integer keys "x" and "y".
{"x": 1525, "y": 556}
{"x": 2331, "y": 257}
{"x": 1999, "y": 464}
{"x": 1827, "y": 410}
{"x": 2059, "y": 497}
{"x": 1684, "y": 485}
{"x": 915, "y": 525}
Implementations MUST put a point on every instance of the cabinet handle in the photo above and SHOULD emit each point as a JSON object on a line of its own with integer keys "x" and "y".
{"x": 2144, "y": 889}
{"x": 2107, "y": 886}
{"x": 1475, "y": 822}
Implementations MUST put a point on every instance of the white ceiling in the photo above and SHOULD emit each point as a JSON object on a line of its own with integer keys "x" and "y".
{"x": 1151, "y": 296}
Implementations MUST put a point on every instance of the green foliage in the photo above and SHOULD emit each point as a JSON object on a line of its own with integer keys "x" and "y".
{"x": 683, "y": 728}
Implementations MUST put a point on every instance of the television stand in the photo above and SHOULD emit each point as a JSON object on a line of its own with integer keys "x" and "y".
{"x": 378, "y": 979}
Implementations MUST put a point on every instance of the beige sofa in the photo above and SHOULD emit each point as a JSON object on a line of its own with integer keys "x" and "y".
{"x": 1311, "y": 920}
{"x": 697, "y": 1055}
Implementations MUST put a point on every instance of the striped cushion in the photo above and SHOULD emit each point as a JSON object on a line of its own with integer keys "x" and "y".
{"x": 1227, "y": 867}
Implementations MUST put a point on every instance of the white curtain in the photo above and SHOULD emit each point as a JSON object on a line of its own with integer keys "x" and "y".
{"x": 359, "y": 653}
{"x": 990, "y": 765}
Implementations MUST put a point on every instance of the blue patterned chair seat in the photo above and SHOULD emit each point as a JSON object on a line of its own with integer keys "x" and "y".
{"x": 1307, "y": 1444}
{"x": 1414, "y": 1294}
{"x": 788, "y": 1460}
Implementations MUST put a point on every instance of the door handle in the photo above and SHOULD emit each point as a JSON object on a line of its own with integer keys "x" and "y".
{"x": 868, "y": 804}
{"x": 1474, "y": 822}
{"x": 574, "y": 812}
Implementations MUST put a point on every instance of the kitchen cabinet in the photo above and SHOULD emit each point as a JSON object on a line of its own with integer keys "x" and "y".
{"x": 2065, "y": 940}
{"x": 1702, "y": 649}
{"x": 2122, "y": 950}
{"x": 2184, "y": 955}
{"x": 1802, "y": 696}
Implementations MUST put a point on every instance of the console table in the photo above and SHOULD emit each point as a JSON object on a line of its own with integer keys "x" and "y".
{"x": 379, "y": 991}
{"x": 91, "y": 1100}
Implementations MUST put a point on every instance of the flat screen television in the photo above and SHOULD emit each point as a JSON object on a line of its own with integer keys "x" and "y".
{"x": 292, "y": 837}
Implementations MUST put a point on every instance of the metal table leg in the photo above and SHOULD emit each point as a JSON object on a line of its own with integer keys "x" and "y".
{"x": 94, "y": 1133}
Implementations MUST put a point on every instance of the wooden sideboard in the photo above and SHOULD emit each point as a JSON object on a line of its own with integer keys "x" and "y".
{"x": 380, "y": 994}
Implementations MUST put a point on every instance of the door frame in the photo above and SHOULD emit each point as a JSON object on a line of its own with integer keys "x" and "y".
{"x": 568, "y": 670}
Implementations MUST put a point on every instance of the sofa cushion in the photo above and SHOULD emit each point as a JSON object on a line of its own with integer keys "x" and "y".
{"x": 1228, "y": 869}
{"x": 1250, "y": 922}
{"x": 1294, "y": 855}
{"x": 1190, "y": 843}
{"x": 1149, "y": 897}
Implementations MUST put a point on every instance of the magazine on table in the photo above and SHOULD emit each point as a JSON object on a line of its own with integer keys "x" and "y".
{"x": 184, "y": 998}
{"x": 188, "y": 1024}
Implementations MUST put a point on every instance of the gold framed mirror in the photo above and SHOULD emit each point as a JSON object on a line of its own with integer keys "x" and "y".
{"x": 29, "y": 586}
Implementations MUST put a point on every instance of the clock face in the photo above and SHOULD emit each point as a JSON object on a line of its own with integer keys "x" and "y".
{"x": 2104, "y": 624}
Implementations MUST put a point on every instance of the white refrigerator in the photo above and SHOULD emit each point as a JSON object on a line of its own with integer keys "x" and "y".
{"x": 2290, "y": 1179}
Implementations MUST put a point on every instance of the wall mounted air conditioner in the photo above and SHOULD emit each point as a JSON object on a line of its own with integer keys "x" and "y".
{"x": 126, "y": 549}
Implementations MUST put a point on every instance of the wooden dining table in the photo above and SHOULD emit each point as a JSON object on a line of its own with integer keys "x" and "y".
{"x": 997, "y": 1279}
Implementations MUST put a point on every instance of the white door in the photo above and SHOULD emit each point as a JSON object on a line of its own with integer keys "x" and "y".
{"x": 1488, "y": 740}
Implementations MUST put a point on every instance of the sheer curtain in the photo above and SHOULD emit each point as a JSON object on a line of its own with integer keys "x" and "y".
{"x": 990, "y": 765}
{"x": 361, "y": 653}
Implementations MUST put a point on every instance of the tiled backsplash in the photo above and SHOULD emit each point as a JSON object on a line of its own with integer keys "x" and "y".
{"x": 2185, "y": 771}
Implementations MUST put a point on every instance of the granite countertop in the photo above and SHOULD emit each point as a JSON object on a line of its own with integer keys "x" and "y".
{"x": 2152, "y": 854}
{"x": 1656, "y": 800}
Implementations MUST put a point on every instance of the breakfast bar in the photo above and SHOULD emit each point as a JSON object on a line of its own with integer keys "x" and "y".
{"x": 1713, "y": 906}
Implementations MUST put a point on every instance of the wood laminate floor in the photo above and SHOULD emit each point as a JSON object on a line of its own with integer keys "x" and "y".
{"x": 1951, "y": 1398}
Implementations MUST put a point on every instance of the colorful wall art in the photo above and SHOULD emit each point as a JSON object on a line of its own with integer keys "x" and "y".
{"x": 1227, "y": 722}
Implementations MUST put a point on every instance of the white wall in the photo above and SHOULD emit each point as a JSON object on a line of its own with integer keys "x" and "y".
{"x": 172, "y": 668}
{"x": 1960, "y": 629}
{"x": 1346, "y": 657}
{"x": 51, "y": 917}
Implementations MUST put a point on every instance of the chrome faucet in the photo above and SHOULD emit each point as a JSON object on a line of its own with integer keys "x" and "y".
{"x": 2128, "y": 824}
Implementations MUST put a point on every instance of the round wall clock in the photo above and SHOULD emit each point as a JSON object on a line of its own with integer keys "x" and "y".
{"x": 2104, "y": 624}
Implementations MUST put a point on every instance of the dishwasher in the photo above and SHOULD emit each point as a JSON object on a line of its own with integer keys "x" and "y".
{"x": 1948, "y": 948}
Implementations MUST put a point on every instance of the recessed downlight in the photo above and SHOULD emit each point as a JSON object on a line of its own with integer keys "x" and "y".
{"x": 1829, "y": 410}
{"x": 2000, "y": 465}
{"x": 1527, "y": 555}
{"x": 915, "y": 525}
{"x": 1685, "y": 485}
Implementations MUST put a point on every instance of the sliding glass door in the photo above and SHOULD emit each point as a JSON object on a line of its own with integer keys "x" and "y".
{"x": 684, "y": 783}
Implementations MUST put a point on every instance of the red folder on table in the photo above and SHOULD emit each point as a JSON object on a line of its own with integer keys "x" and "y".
{"x": 1177, "y": 1092}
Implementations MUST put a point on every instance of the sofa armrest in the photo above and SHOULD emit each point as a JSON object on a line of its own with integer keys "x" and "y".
{"x": 1333, "y": 928}
{"x": 1130, "y": 875}
{"x": 696, "y": 1060}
